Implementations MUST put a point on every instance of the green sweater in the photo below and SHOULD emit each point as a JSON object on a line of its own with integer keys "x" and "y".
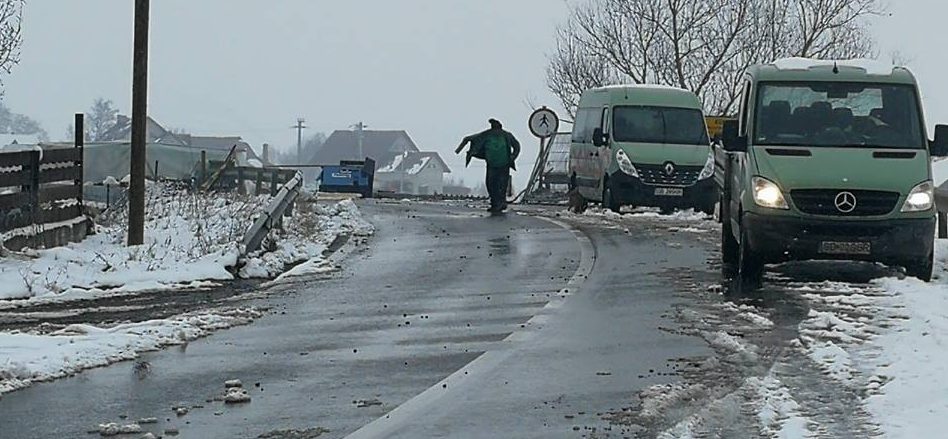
{"x": 497, "y": 147}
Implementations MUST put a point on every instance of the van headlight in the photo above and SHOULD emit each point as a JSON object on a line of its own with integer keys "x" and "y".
{"x": 921, "y": 198}
{"x": 708, "y": 170}
{"x": 768, "y": 194}
{"x": 625, "y": 163}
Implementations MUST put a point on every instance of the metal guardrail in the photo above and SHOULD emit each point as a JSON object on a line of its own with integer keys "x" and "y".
{"x": 272, "y": 216}
{"x": 941, "y": 203}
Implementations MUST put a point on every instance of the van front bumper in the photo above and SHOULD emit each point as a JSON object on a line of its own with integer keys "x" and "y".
{"x": 629, "y": 190}
{"x": 780, "y": 239}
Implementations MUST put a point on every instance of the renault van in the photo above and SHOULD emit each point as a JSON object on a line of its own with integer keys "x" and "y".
{"x": 828, "y": 160}
{"x": 642, "y": 145}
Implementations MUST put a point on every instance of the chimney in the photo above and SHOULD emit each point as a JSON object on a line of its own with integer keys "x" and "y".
{"x": 266, "y": 153}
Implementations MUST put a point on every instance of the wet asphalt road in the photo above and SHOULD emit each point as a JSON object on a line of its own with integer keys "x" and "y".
{"x": 465, "y": 325}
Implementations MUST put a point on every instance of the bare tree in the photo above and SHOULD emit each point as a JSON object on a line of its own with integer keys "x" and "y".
{"x": 101, "y": 117}
{"x": 700, "y": 45}
{"x": 11, "y": 37}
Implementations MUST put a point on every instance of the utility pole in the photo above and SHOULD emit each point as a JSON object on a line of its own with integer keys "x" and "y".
{"x": 299, "y": 127}
{"x": 360, "y": 136}
{"x": 136, "y": 190}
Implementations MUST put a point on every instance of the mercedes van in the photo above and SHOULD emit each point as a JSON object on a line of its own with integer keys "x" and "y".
{"x": 642, "y": 145}
{"x": 828, "y": 160}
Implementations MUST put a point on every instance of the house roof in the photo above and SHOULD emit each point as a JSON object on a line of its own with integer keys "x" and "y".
{"x": 18, "y": 139}
{"x": 381, "y": 146}
{"x": 155, "y": 133}
{"x": 414, "y": 162}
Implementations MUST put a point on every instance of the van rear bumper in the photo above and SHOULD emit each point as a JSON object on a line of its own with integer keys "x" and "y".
{"x": 628, "y": 190}
{"x": 895, "y": 242}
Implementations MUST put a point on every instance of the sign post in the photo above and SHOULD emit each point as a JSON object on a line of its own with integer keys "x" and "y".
{"x": 543, "y": 124}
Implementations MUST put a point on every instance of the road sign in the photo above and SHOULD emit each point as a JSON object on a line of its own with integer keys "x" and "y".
{"x": 544, "y": 123}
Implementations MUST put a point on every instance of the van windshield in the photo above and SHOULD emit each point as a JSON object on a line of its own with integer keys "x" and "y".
{"x": 642, "y": 124}
{"x": 838, "y": 114}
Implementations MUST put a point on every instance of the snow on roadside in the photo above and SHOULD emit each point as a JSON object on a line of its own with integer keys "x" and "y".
{"x": 190, "y": 239}
{"x": 913, "y": 359}
{"x": 888, "y": 339}
{"x": 26, "y": 358}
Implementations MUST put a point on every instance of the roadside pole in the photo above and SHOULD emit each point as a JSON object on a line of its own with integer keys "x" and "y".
{"x": 136, "y": 192}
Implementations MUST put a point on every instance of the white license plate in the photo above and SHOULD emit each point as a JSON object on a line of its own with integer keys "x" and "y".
{"x": 845, "y": 248}
{"x": 669, "y": 192}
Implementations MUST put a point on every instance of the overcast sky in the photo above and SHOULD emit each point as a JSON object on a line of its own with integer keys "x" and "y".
{"x": 436, "y": 68}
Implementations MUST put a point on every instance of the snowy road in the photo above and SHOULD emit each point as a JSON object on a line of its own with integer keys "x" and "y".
{"x": 455, "y": 324}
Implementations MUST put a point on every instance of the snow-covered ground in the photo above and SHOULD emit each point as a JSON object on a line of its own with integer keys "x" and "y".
{"x": 26, "y": 358}
{"x": 190, "y": 239}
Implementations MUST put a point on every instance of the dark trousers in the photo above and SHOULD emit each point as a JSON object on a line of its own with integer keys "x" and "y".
{"x": 498, "y": 179}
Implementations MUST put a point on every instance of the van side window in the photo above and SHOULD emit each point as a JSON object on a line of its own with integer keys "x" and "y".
{"x": 587, "y": 120}
{"x": 579, "y": 126}
{"x": 745, "y": 108}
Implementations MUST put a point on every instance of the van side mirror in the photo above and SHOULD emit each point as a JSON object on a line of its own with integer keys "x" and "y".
{"x": 600, "y": 138}
{"x": 939, "y": 146}
{"x": 733, "y": 142}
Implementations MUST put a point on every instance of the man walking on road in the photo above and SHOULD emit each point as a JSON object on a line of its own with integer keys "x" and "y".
{"x": 499, "y": 149}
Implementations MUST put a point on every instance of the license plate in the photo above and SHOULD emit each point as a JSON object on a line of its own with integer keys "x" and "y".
{"x": 669, "y": 192}
{"x": 845, "y": 248}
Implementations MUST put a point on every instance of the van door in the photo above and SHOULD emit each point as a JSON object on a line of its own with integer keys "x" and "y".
{"x": 738, "y": 162}
{"x": 603, "y": 155}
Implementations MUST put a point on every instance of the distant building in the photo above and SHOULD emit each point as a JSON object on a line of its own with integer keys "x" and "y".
{"x": 400, "y": 166}
{"x": 12, "y": 140}
{"x": 419, "y": 173}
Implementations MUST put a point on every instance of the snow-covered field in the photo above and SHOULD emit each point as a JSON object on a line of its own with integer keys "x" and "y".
{"x": 190, "y": 239}
{"x": 26, "y": 358}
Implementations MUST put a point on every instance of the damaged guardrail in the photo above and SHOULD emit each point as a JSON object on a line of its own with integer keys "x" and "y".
{"x": 272, "y": 216}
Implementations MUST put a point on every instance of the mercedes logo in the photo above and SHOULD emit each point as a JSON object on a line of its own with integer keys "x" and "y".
{"x": 669, "y": 169}
{"x": 845, "y": 202}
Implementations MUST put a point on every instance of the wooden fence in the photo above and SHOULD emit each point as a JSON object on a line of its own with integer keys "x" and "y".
{"x": 40, "y": 187}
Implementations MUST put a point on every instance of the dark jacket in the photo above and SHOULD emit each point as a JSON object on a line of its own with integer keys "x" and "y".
{"x": 478, "y": 141}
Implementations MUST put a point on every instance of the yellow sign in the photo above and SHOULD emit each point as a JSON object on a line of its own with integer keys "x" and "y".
{"x": 716, "y": 125}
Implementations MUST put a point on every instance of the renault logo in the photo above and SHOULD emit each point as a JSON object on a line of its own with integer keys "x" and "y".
{"x": 669, "y": 169}
{"x": 845, "y": 202}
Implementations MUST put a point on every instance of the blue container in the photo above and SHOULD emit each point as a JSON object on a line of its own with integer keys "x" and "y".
{"x": 349, "y": 177}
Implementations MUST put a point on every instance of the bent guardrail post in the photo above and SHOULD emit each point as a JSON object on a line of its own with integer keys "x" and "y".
{"x": 272, "y": 216}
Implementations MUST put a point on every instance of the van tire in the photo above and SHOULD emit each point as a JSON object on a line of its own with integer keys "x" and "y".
{"x": 750, "y": 267}
{"x": 608, "y": 200}
{"x": 730, "y": 249}
{"x": 921, "y": 269}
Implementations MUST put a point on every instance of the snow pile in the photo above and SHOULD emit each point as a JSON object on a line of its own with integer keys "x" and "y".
{"x": 189, "y": 238}
{"x": 26, "y": 358}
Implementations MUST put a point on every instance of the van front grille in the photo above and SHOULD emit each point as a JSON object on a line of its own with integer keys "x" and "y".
{"x": 823, "y": 202}
{"x": 657, "y": 175}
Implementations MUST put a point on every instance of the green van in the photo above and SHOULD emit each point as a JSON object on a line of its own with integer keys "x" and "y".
{"x": 642, "y": 145}
{"x": 828, "y": 160}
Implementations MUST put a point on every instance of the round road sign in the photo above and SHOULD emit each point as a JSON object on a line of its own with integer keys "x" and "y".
{"x": 544, "y": 123}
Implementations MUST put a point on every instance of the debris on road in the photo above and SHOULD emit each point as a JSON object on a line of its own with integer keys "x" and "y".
{"x": 236, "y": 395}
{"x": 233, "y": 383}
{"x": 114, "y": 429}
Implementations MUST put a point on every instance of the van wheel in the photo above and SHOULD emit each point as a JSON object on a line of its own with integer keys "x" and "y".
{"x": 750, "y": 267}
{"x": 730, "y": 249}
{"x": 608, "y": 200}
{"x": 921, "y": 269}
{"x": 707, "y": 209}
